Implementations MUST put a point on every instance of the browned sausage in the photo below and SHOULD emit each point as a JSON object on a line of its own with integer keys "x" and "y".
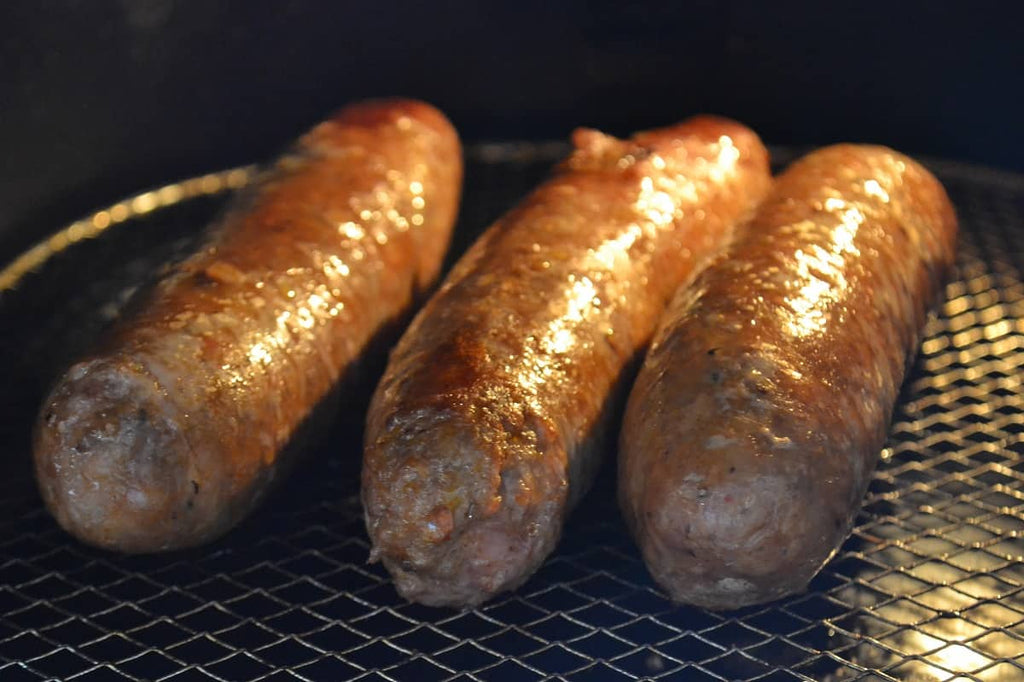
{"x": 757, "y": 418}
{"x": 484, "y": 430}
{"x": 174, "y": 430}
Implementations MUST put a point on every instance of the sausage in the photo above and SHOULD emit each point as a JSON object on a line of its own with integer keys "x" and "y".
{"x": 757, "y": 418}
{"x": 487, "y": 424}
{"x": 177, "y": 425}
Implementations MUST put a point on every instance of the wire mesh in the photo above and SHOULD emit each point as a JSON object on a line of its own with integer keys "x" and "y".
{"x": 930, "y": 586}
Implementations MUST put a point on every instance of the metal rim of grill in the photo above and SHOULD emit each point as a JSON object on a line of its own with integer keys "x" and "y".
{"x": 930, "y": 586}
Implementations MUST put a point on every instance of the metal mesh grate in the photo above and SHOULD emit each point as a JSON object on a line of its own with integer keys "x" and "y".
{"x": 930, "y": 586}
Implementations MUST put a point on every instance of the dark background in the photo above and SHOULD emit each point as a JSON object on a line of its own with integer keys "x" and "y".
{"x": 102, "y": 98}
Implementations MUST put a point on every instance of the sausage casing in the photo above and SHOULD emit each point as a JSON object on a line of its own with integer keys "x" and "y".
{"x": 176, "y": 426}
{"x": 484, "y": 429}
{"x": 756, "y": 421}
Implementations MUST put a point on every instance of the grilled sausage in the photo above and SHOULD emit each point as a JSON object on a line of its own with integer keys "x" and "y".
{"x": 755, "y": 423}
{"x": 175, "y": 428}
{"x": 484, "y": 429}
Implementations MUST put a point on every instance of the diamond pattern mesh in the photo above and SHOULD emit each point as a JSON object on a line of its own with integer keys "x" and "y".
{"x": 930, "y": 586}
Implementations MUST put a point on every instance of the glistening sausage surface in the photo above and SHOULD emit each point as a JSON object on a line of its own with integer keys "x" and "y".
{"x": 486, "y": 426}
{"x": 175, "y": 428}
{"x": 757, "y": 418}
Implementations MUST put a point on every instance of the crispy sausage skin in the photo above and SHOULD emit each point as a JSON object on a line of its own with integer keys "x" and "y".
{"x": 175, "y": 428}
{"x": 755, "y": 423}
{"x": 484, "y": 430}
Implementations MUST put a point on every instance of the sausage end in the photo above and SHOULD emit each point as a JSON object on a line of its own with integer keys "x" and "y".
{"x": 112, "y": 467}
{"x": 443, "y": 517}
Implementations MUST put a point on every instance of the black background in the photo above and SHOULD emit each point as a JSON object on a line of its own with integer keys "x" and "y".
{"x": 102, "y": 98}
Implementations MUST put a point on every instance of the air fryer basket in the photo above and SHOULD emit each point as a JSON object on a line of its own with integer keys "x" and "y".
{"x": 930, "y": 586}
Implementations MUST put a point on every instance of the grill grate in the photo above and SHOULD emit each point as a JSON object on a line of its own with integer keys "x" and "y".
{"x": 930, "y": 586}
